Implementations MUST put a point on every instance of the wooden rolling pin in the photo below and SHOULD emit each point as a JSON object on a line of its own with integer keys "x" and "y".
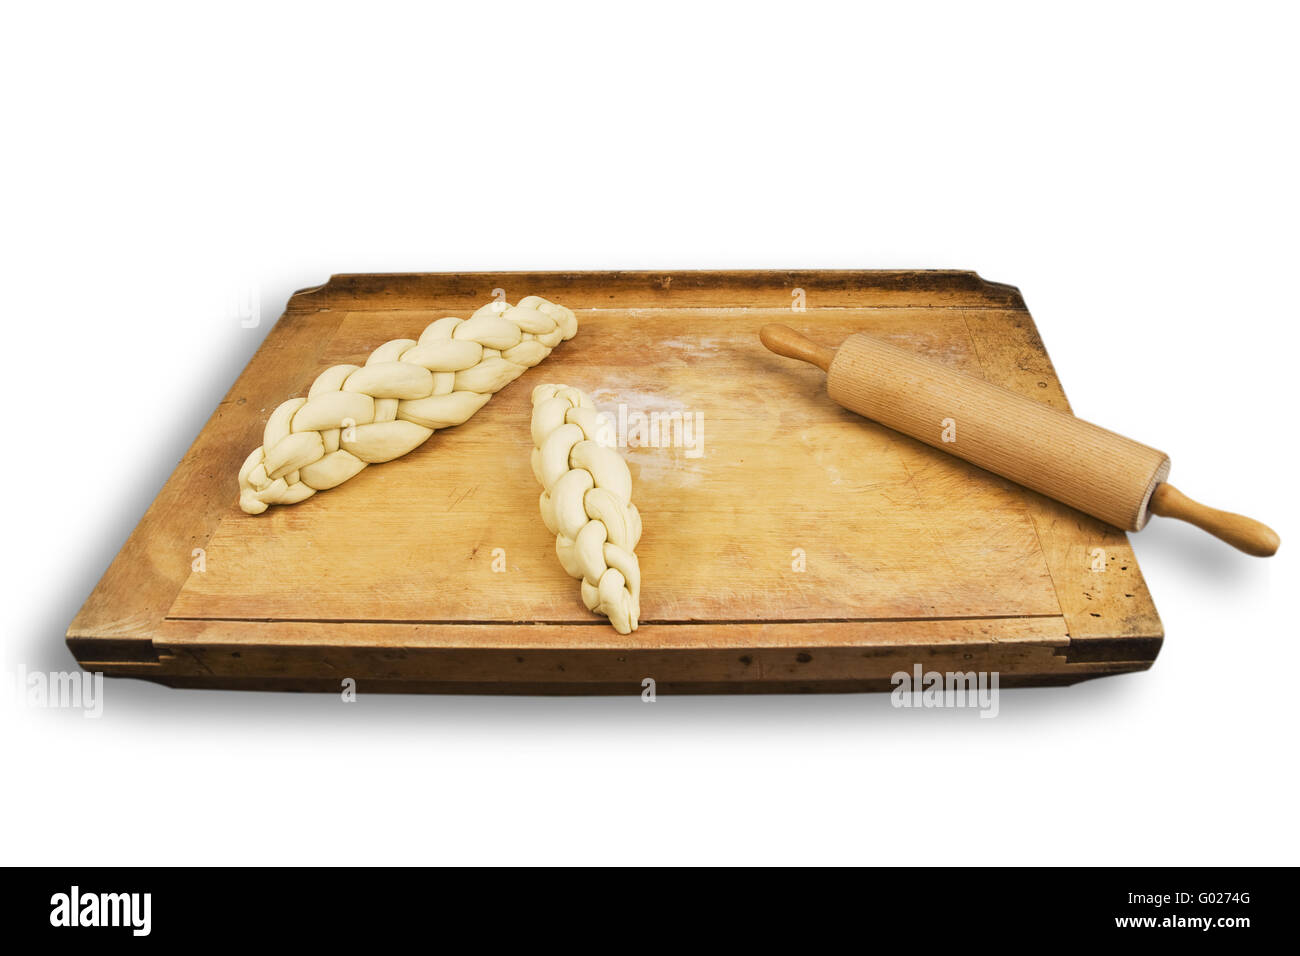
{"x": 1103, "y": 474}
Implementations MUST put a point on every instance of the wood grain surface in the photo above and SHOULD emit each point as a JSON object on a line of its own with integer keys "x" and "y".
{"x": 794, "y": 547}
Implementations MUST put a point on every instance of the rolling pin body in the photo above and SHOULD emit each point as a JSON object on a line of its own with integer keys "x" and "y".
{"x": 1087, "y": 467}
{"x": 1100, "y": 473}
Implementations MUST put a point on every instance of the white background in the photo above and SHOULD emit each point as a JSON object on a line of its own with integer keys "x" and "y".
{"x": 1132, "y": 168}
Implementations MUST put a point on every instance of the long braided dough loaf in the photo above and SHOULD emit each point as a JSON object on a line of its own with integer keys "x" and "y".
{"x": 587, "y": 504}
{"x": 357, "y": 416}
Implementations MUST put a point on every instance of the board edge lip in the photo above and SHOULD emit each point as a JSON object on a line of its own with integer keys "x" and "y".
{"x": 308, "y": 299}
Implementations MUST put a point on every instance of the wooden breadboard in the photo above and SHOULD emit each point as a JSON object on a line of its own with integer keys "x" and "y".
{"x": 789, "y": 545}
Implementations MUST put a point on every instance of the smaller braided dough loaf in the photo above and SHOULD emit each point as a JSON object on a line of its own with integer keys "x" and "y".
{"x": 356, "y": 416}
{"x": 587, "y": 504}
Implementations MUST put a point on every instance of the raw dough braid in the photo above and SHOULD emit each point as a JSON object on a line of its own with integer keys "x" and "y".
{"x": 586, "y": 504}
{"x": 357, "y": 416}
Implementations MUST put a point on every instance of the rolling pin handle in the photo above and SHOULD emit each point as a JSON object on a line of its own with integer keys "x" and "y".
{"x": 784, "y": 340}
{"x": 1244, "y": 534}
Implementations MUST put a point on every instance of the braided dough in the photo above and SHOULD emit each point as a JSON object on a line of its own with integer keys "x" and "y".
{"x": 357, "y": 416}
{"x": 586, "y": 504}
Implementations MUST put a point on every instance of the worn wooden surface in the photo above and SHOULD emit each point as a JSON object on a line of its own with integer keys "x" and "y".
{"x": 908, "y": 555}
